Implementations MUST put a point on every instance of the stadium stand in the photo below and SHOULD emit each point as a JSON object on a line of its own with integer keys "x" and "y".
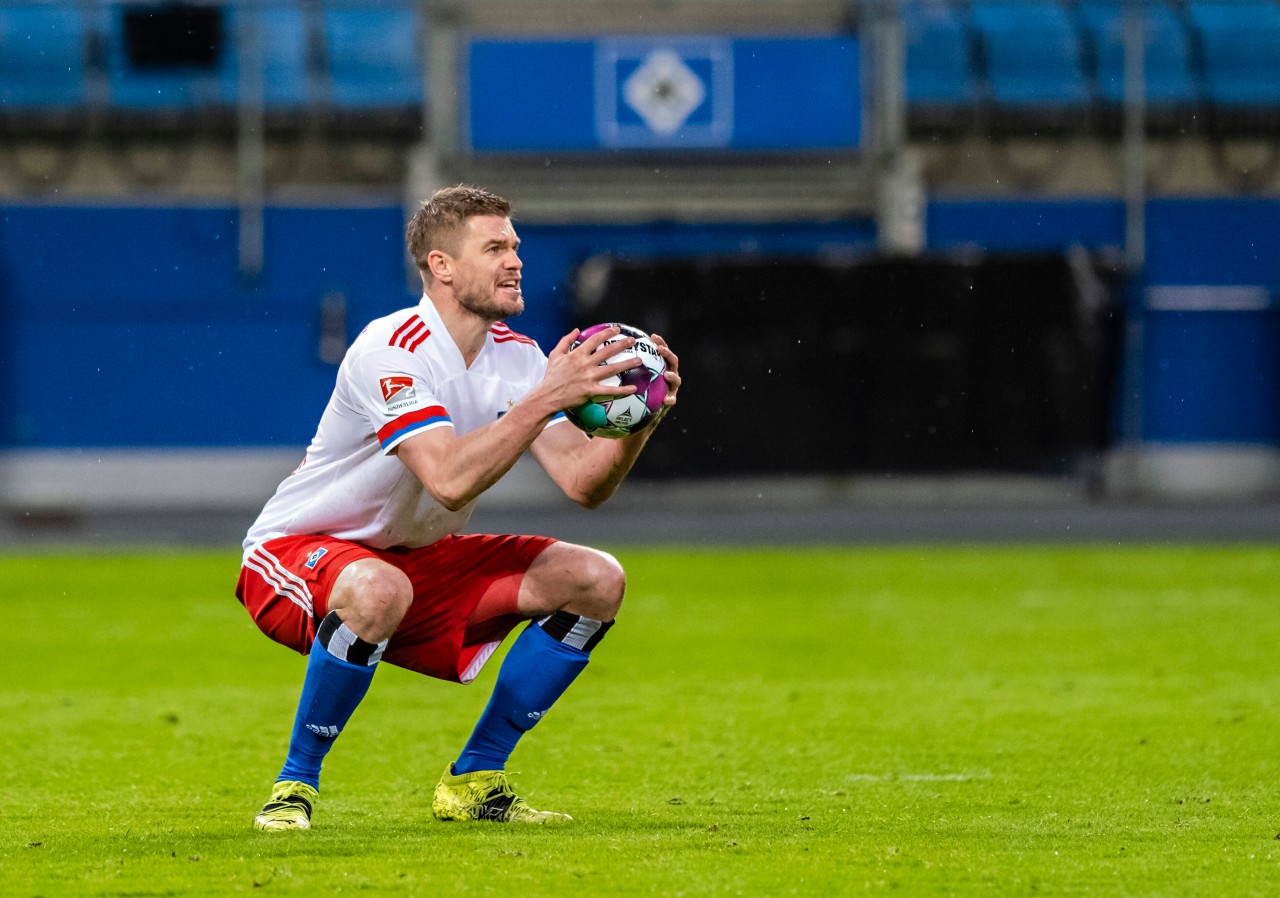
{"x": 1031, "y": 56}
{"x": 167, "y": 67}
{"x": 289, "y": 54}
{"x": 1239, "y": 45}
{"x": 43, "y": 72}
{"x": 374, "y": 67}
{"x": 358, "y": 65}
{"x": 1167, "y": 70}
{"x": 940, "y": 89}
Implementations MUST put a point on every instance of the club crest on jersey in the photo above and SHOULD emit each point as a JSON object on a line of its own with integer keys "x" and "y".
{"x": 399, "y": 387}
{"x": 314, "y": 558}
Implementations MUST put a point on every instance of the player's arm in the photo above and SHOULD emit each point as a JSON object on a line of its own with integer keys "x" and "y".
{"x": 456, "y": 469}
{"x": 589, "y": 470}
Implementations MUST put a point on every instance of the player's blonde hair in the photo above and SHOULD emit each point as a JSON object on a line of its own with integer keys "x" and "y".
{"x": 438, "y": 223}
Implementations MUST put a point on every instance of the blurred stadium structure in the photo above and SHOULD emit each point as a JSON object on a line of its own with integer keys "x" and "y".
{"x": 994, "y": 242}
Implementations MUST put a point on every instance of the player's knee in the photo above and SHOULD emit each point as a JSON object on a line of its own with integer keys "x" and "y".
{"x": 601, "y": 584}
{"x": 575, "y": 579}
{"x": 386, "y": 595}
{"x": 372, "y": 598}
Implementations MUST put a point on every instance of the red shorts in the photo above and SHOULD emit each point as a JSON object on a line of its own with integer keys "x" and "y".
{"x": 464, "y": 595}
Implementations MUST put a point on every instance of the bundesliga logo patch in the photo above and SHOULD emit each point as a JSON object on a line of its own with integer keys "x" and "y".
{"x": 399, "y": 387}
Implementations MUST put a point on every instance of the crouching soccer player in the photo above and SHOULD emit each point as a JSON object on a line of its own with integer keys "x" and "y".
{"x": 357, "y": 558}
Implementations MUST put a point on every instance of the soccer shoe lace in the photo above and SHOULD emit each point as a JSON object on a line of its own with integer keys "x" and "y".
{"x": 485, "y": 795}
{"x": 288, "y": 808}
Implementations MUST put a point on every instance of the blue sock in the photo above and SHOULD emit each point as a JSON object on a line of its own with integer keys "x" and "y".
{"x": 543, "y": 661}
{"x": 339, "y": 671}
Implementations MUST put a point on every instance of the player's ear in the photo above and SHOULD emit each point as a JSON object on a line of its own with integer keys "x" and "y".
{"x": 440, "y": 266}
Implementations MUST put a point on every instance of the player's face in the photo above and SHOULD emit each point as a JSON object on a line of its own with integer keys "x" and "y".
{"x": 486, "y": 278}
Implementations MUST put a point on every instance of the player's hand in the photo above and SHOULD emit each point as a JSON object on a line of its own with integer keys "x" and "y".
{"x": 573, "y": 376}
{"x": 672, "y": 374}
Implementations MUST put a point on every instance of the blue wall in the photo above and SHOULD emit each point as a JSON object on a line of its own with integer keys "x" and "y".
{"x": 1213, "y": 374}
{"x": 1024, "y": 225}
{"x": 131, "y": 327}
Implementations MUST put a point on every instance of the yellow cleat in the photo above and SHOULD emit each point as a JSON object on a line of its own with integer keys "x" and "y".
{"x": 485, "y": 795}
{"x": 288, "y": 808}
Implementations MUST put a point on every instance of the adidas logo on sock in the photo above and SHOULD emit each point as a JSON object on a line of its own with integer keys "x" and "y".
{"x": 325, "y": 732}
{"x": 538, "y": 715}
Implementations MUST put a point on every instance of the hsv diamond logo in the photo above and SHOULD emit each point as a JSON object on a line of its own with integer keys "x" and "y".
{"x": 664, "y": 91}
{"x": 314, "y": 558}
{"x": 670, "y": 91}
{"x": 400, "y": 387}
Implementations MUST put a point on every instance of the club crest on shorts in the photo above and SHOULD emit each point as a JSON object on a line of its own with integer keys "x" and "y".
{"x": 314, "y": 558}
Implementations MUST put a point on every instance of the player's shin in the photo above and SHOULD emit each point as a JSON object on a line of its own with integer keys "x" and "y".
{"x": 543, "y": 661}
{"x": 339, "y": 670}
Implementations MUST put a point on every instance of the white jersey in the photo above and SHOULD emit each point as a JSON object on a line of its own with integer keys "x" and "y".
{"x": 402, "y": 376}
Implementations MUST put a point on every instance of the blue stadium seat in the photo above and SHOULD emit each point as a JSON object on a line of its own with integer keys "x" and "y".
{"x": 167, "y": 64}
{"x": 1033, "y": 58}
{"x": 1240, "y": 45}
{"x": 939, "y": 59}
{"x": 1166, "y": 57}
{"x": 42, "y": 60}
{"x": 287, "y": 82}
{"x": 374, "y": 62}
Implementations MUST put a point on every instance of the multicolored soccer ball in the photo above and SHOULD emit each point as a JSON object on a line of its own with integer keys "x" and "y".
{"x": 613, "y": 417}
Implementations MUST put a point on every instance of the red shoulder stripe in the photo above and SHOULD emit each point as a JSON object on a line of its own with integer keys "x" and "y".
{"x": 410, "y": 334}
{"x": 503, "y": 334}
{"x": 409, "y": 322}
{"x": 417, "y": 341}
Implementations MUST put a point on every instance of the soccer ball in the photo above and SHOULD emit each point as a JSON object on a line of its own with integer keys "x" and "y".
{"x": 618, "y": 416}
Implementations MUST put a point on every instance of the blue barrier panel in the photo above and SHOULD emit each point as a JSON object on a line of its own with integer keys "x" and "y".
{"x": 1211, "y": 365}
{"x": 1212, "y": 344}
{"x": 674, "y": 92}
{"x": 1214, "y": 240}
{"x": 530, "y": 96}
{"x": 131, "y": 326}
{"x": 1024, "y": 225}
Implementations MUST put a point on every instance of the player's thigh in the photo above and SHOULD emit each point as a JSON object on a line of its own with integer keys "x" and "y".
{"x": 573, "y": 578}
{"x": 465, "y": 601}
{"x": 285, "y": 584}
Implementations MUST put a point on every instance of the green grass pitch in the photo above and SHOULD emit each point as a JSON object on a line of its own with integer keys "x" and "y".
{"x": 913, "y": 721}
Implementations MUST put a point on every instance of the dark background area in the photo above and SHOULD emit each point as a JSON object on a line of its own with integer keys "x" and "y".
{"x": 1002, "y": 363}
